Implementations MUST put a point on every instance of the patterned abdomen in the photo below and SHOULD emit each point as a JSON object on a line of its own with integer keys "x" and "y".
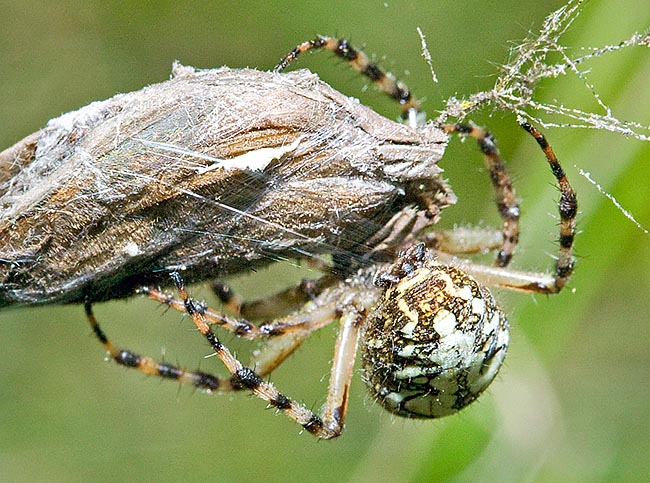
{"x": 434, "y": 342}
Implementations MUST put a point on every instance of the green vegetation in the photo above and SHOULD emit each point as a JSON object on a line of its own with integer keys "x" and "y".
{"x": 571, "y": 403}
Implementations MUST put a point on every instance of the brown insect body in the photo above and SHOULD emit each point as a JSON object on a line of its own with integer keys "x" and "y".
{"x": 213, "y": 172}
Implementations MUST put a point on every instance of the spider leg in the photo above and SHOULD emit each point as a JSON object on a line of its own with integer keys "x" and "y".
{"x": 568, "y": 208}
{"x": 330, "y": 423}
{"x": 269, "y": 358}
{"x": 281, "y": 303}
{"x": 528, "y": 281}
{"x": 276, "y": 350}
{"x": 284, "y": 337}
{"x": 127, "y": 358}
{"x": 465, "y": 240}
{"x": 277, "y": 305}
{"x": 505, "y": 193}
{"x": 492, "y": 276}
{"x": 362, "y": 64}
{"x": 312, "y": 317}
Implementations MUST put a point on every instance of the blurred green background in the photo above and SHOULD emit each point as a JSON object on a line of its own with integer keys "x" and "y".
{"x": 571, "y": 403}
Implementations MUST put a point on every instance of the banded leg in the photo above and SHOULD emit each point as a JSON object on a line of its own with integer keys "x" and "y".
{"x": 313, "y": 317}
{"x": 269, "y": 357}
{"x": 330, "y": 424}
{"x": 535, "y": 282}
{"x": 124, "y": 357}
{"x": 568, "y": 208}
{"x": 284, "y": 335}
{"x": 505, "y": 193}
{"x": 362, "y": 64}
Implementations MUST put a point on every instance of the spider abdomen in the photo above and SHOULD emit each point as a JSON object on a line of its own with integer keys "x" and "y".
{"x": 434, "y": 342}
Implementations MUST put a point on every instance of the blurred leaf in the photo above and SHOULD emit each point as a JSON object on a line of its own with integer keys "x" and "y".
{"x": 571, "y": 402}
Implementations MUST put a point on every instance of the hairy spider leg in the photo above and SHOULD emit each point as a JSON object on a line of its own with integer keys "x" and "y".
{"x": 568, "y": 208}
{"x": 517, "y": 280}
{"x": 147, "y": 365}
{"x": 360, "y": 62}
{"x": 283, "y": 335}
{"x": 269, "y": 357}
{"x": 312, "y": 318}
{"x": 505, "y": 194}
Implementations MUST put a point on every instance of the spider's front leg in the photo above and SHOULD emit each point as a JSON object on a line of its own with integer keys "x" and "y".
{"x": 504, "y": 192}
{"x": 360, "y": 62}
{"x": 500, "y": 276}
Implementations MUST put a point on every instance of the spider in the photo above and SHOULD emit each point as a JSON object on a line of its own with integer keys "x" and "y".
{"x": 430, "y": 333}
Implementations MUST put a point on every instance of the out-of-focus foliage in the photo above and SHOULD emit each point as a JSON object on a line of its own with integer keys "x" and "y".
{"x": 571, "y": 403}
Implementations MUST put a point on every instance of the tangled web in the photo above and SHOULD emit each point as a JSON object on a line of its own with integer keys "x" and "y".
{"x": 529, "y": 63}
